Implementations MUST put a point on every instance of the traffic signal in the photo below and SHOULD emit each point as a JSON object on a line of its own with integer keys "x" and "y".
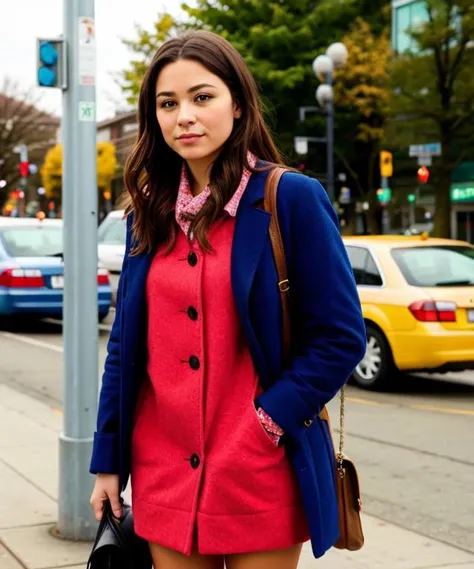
{"x": 384, "y": 195}
{"x": 386, "y": 164}
{"x": 51, "y": 63}
{"x": 423, "y": 175}
{"x": 411, "y": 198}
{"x": 24, "y": 169}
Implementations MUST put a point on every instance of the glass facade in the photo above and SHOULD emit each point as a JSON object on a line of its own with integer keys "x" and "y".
{"x": 407, "y": 14}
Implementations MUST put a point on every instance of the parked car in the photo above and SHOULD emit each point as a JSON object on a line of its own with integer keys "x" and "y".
{"x": 415, "y": 229}
{"x": 32, "y": 271}
{"x": 111, "y": 241}
{"x": 417, "y": 296}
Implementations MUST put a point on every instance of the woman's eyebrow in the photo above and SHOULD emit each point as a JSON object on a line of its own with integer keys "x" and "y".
{"x": 190, "y": 90}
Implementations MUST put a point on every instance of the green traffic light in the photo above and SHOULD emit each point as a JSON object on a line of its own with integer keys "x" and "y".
{"x": 411, "y": 198}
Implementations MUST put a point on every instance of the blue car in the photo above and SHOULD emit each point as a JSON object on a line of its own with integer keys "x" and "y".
{"x": 32, "y": 270}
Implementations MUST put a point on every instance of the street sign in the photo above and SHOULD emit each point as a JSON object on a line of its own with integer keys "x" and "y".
{"x": 425, "y": 160}
{"x": 87, "y": 111}
{"x": 301, "y": 145}
{"x": 462, "y": 193}
{"x": 431, "y": 149}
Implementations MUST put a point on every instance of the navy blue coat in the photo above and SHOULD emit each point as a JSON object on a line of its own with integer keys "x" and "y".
{"x": 328, "y": 338}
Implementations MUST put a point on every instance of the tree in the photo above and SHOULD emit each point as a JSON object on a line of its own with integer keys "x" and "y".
{"x": 51, "y": 172}
{"x": 362, "y": 95}
{"x": 144, "y": 48}
{"x": 433, "y": 87}
{"x": 278, "y": 40}
{"x": 21, "y": 122}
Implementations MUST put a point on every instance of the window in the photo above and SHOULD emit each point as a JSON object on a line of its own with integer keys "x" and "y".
{"x": 402, "y": 24}
{"x": 364, "y": 267}
{"x": 39, "y": 241}
{"x": 407, "y": 17}
{"x": 112, "y": 231}
{"x": 414, "y": 13}
{"x": 436, "y": 266}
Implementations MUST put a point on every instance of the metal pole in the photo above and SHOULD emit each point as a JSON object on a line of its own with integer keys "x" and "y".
{"x": 80, "y": 383}
{"x": 22, "y": 150}
{"x": 330, "y": 144}
{"x": 385, "y": 214}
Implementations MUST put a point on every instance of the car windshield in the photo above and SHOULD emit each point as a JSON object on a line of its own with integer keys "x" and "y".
{"x": 436, "y": 266}
{"x": 34, "y": 241}
{"x": 112, "y": 231}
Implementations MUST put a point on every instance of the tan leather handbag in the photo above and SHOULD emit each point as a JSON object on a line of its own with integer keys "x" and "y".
{"x": 347, "y": 481}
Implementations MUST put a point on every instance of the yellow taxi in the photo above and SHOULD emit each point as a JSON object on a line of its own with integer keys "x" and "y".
{"x": 417, "y": 296}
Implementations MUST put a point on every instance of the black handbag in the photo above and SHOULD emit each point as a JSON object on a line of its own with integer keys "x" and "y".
{"x": 116, "y": 545}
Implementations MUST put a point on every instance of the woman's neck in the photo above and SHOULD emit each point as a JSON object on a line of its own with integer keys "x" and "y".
{"x": 200, "y": 174}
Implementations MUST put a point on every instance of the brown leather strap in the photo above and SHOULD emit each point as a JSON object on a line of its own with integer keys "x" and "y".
{"x": 270, "y": 205}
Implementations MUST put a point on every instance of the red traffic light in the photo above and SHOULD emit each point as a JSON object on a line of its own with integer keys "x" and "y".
{"x": 24, "y": 169}
{"x": 423, "y": 175}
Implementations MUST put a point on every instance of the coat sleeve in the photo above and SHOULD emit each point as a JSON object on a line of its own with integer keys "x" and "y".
{"x": 328, "y": 330}
{"x": 105, "y": 448}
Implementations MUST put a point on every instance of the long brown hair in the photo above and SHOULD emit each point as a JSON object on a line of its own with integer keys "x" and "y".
{"x": 152, "y": 172}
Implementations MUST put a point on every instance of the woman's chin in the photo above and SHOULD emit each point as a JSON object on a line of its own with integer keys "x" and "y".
{"x": 195, "y": 154}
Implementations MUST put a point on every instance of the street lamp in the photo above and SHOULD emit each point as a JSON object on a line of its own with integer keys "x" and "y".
{"x": 323, "y": 67}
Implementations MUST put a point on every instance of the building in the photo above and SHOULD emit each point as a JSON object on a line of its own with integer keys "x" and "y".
{"x": 408, "y": 14}
{"x": 121, "y": 130}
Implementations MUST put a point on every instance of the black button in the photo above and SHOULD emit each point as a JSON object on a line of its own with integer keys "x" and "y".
{"x": 194, "y": 362}
{"x": 192, "y": 259}
{"x": 195, "y": 461}
{"x": 192, "y": 313}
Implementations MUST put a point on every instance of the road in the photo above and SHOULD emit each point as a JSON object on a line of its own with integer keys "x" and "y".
{"x": 414, "y": 447}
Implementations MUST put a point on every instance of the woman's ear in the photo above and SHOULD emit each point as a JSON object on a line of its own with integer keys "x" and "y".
{"x": 237, "y": 111}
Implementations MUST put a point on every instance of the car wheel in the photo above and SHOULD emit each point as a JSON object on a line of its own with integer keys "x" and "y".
{"x": 376, "y": 370}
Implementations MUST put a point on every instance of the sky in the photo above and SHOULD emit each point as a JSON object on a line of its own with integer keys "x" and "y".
{"x": 22, "y": 21}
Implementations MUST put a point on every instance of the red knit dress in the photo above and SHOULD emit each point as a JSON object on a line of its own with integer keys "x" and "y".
{"x": 205, "y": 474}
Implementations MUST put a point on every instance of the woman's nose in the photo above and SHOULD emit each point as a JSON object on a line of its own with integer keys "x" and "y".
{"x": 186, "y": 117}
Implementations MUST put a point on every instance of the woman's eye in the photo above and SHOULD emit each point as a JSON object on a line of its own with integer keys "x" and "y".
{"x": 203, "y": 98}
{"x": 167, "y": 104}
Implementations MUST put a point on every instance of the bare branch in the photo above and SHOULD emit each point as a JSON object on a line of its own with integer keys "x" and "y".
{"x": 419, "y": 111}
{"x": 22, "y": 122}
{"x": 436, "y": 48}
{"x": 351, "y": 170}
{"x": 456, "y": 67}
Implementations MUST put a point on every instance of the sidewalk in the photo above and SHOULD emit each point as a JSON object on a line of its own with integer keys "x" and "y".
{"x": 28, "y": 507}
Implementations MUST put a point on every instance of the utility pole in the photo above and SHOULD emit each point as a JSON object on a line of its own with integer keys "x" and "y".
{"x": 330, "y": 142}
{"x": 80, "y": 383}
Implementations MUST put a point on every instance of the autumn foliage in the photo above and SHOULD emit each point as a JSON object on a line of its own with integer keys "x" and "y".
{"x": 51, "y": 172}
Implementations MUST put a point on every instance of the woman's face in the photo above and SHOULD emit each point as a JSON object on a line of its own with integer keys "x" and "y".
{"x": 195, "y": 110}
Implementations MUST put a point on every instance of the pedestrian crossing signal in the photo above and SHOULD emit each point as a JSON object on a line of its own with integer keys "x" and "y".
{"x": 51, "y": 63}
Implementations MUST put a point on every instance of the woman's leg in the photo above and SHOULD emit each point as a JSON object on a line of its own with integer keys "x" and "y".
{"x": 279, "y": 559}
{"x": 164, "y": 558}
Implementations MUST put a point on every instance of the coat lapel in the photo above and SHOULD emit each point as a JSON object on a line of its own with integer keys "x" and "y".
{"x": 251, "y": 234}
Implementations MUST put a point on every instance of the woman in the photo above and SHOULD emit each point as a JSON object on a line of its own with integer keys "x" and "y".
{"x": 229, "y": 460}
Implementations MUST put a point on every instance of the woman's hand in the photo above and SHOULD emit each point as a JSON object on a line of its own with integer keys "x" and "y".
{"x": 106, "y": 487}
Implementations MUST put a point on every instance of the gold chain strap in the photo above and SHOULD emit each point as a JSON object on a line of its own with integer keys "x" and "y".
{"x": 340, "y": 454}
